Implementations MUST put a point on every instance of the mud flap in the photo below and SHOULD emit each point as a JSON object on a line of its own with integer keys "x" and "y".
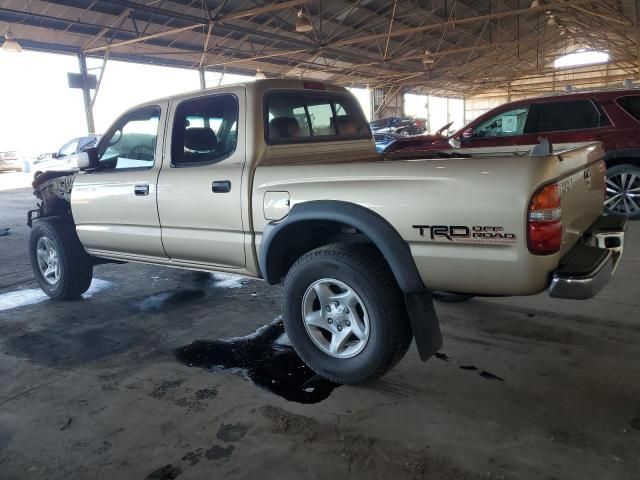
{"x": 424, "y": 323}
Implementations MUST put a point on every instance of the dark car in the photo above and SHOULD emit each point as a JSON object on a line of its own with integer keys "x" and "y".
{"x": 65, "y": 157}
{"x": 611, "y": 117}
{"x": 401, "y": 125}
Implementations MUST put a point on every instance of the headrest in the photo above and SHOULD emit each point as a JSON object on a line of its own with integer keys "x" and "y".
{"x": 200, "y": 138}
{"x": 284, "y": 127}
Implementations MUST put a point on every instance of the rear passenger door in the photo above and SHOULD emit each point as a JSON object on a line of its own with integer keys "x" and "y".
{"x": 200, "y": 200}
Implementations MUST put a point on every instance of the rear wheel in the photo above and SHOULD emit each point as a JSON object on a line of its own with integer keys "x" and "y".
{"x": 623, "y": 191}
{"x": 344, "y": 314}
{"x": 59, "y": 262}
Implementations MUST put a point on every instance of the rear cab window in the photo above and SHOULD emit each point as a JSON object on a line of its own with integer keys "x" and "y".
{"x": 302, "y": 117}
{"x": 631, "y": 105}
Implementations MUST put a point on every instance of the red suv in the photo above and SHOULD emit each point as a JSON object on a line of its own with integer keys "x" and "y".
{"x": 611, "y": 117}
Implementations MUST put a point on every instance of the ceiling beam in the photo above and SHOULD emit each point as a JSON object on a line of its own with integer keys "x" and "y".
{"x": 143, "y": 38}
{"x": 458, "y": 21}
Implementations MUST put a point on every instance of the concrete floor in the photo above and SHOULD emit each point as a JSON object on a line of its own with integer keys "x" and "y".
{"x": 526, "y": 388}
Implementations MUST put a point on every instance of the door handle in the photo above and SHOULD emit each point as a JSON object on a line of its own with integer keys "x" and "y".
{"x": 141, "y": 189}
{"x": 221, "y": 186}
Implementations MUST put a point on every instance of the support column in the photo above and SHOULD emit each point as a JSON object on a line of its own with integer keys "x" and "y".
{"x": 388, "y": 102}
{"x": 203, "y": 81}
{"x": 86, "y": 93}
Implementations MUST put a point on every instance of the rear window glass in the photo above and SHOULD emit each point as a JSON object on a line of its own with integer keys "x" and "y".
{"x": 294, "y": 117}
{"x": 631, "y": 105}
{"x": 560, "y": 116}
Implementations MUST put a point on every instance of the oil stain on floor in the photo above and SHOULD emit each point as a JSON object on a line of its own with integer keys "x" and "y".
{"x": 263, "y": 359}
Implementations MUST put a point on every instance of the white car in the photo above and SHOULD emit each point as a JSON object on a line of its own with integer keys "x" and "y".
{"x": 66, "y": 156}
{"x": 9, "y": 161}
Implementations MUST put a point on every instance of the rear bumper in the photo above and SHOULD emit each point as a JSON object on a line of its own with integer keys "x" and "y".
{"x": 589, "y": 265}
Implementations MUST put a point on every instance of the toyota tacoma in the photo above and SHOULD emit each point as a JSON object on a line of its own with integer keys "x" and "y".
{"x": 280, "y": 180}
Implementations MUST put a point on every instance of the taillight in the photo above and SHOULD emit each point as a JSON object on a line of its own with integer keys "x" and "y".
{"x": 545, "y": 221}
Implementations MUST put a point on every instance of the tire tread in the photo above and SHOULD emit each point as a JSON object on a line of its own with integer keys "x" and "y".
{"x": 371, "y": 263}
{"x": 78, "y": 264}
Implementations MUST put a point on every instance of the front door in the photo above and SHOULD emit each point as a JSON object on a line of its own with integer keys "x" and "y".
{"x": 114, "y": 207}
{"x": 200, "y": 200}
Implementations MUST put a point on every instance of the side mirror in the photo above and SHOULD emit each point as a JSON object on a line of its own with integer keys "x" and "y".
{"x": 88, "y": 159}
{"x": 455, "y": 142}
{"x": 55, "y": 155}
{"x": 468, "y": 133}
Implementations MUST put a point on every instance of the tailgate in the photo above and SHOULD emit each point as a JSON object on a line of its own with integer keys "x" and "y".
{"x": 581, "y": 178}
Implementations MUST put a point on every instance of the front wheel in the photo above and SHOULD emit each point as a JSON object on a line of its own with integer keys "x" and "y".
{"x": 344, "y": 313}
{"x": 59, "y": 262}
{"x": 623, "y": 191}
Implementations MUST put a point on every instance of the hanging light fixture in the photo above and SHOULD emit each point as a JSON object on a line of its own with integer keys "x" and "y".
{"x": 10, "y": 44}
{"x": 552, "y": 20}
{"x": 259, "y": 74}
{"x": 428, "y": 58}
{"x": 535, "y": 4}
{"x": 303, "y": 25}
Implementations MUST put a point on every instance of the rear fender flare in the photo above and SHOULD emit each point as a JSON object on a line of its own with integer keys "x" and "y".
{"x": 380, "y": 232}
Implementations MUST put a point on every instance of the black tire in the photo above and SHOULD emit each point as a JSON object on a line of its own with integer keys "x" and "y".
{"x": 451, "y": 297}
{"x": 626, "y": 206}
{"x": 75, "y": 265}
{"x": 367, "y": 274}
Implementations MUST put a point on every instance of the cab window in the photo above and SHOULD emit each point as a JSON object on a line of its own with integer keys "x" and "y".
{"x": 205, "y": 130}
{"x": 294, "y": 117}
{"x": 507, "y": 123}
{"x": 132, "y": 142}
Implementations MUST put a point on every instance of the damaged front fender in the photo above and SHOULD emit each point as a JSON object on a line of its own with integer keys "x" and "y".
{"x": 53, "y": 189}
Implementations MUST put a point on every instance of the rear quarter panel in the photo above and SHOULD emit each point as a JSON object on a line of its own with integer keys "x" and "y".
{"x": 468, "y": 192}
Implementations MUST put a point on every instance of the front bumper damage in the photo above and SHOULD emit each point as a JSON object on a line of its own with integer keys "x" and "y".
{"x": 589, "y": 265}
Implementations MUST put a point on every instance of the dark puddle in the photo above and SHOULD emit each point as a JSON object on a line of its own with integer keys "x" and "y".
{"x": 484, "y": 374}
{"x": 490, "y": 376}
{"x": 267, "y": 363}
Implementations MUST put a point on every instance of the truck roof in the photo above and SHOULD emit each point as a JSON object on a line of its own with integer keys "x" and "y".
{"x": 258, "y": 87}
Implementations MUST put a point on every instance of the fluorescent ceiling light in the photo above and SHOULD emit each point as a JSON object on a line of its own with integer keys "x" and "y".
{"x": 303, "y": 24}
{"x": 10, "y": 44}
{"x": 578, "y": 59}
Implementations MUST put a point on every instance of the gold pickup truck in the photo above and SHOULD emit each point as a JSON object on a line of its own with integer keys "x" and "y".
{"x": 280, "y": 180}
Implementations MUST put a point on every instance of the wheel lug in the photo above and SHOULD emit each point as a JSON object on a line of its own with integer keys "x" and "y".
{"x": 336, "y": 303}
{"x": 348, "y": 323}
{"x": 329, "y": 321}
{"x": 339, "y": 328}
{"x": 346, "y": 310}
{"x": 328, "y": 309}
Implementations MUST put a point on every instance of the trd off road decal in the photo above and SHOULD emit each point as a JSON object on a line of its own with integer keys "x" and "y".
{"x": 464, "y": 234}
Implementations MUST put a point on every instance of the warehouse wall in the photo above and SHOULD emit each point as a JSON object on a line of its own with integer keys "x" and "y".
{"x": 437, "y": 111}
